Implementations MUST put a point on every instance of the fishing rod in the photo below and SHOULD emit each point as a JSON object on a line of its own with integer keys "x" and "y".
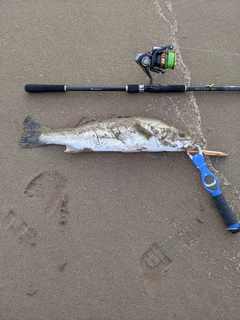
{"x": 158, "y": 61}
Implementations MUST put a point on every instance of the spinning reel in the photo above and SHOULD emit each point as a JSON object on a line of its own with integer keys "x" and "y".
{"x": 157, "y": 61}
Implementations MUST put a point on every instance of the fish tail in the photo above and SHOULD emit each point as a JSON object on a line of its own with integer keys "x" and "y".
{"x": 33, "y": 131}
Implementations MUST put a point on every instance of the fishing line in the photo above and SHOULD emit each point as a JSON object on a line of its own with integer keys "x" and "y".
{"x": 233, "y": 148}
{"x": 211, "y": 51}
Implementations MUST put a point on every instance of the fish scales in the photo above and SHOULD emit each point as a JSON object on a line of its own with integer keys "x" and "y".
{"x": 122, "y": 134}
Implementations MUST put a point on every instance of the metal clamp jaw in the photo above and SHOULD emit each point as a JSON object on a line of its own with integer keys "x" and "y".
{"x": 198, "y": 160}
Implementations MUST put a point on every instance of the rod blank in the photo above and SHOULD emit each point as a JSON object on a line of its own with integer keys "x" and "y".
{"x": 213, "y": 88}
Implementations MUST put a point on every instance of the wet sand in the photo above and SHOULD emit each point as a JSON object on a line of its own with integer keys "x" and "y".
{"x": 110, "y": 235}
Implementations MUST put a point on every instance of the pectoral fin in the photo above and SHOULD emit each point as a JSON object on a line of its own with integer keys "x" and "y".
{"x": 142, "y": 131}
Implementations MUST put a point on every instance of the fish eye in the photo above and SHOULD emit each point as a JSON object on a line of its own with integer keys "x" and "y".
{"x": 181, "y": 134}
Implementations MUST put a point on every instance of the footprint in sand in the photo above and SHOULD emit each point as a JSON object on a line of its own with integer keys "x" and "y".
{"x": 9, "y": 221}
{"x": 49, "y": 187}
{"x": 20, "y": 230}
{"x": 185, "y": 234}
{"x": 27, "y": 234}
{"x": 154, "y": 263}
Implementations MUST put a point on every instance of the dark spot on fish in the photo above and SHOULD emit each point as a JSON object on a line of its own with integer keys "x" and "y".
{"x": 116, "y": 132}
{"x": 123, "y": 117}
{"x": 141, "y": 149}
{"x": 142, "y": 131}
{"x": 181, "y": 134}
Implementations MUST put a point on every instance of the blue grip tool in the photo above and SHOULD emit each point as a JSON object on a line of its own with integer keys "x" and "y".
{"x": 214, "y": 189}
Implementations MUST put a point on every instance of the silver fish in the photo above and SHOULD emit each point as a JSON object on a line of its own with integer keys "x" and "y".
{"x": 121, "y": 134}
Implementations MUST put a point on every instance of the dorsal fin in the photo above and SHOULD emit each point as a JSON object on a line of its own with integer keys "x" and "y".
{"x": 84, "y": 120}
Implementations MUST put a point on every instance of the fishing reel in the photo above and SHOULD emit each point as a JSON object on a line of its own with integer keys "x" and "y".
{"x": 157, "y": 61}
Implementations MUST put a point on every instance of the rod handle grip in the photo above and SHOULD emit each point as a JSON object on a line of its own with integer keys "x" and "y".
{"x": 35, "y": 88}
{"x": 226, "y": 212}
{"x": 133, "y": 88}
{"x": 165, "y": 88}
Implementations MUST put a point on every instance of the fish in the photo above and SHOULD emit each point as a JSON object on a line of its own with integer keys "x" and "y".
{"x": 120, "y": 134}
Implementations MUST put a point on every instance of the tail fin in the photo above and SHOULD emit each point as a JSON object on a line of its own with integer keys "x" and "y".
{"x": 33, "y": 131}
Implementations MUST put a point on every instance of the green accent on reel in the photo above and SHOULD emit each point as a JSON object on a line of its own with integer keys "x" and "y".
{"x": 171, "y": 61}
